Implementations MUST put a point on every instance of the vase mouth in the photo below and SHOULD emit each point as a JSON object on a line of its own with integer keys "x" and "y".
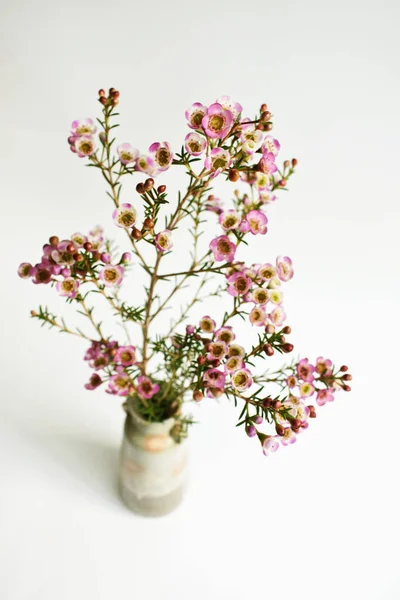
{"x": 130, "y": 407}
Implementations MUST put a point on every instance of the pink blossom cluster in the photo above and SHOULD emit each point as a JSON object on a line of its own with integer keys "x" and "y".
{"x": 82, "y": 139}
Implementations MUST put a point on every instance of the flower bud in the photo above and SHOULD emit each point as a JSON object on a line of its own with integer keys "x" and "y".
{"x": 198, "y": 395}
{"x": 87, "y": 246}
{"x": 161, "y": 189}
{"x": 282, "y": 182}
{"x": 265, "y": 116}
{"x": 148, "y": 223}
{"x": 71, "y": 249}
{"x": 136, "y": 234}
{"x": 267, "y": 402}
{"x": 102, "y": 93}
{"x": 54, "y": 240}
{"x": 96, "y": 255}
{"x": 277, "y": 404}
{"x": 268, "y": 126}
{"x": 296, "y": 424}
{"x": 287, "y": 348}
{"x": 148, "y": 184}
{"x": 126, "y": 257}
{"x": 140, "y": 188}
{"x": 283, "y": 339}
{"x": 295, "y": 162}
{"x": 251, "y": 430}
{"x": 347, "y": 388}
{"x": 215, "y": 363}
{"x": 347, "y": 377}
{"x": 263, "y": 107}
{"x": 270, "y": 329}
{"x": 111, "y": 91}
{"x": 280, "y": 430}
{"x": 286, "y": 330}
{"x": 257, "y": 419}
{"x": 201, "y": 360}
{"x": 33, "y": 313}
{"x": 312, "y": 414}
{"x": 233, "y": 175}
{"x": 103, "y": 100}
{"x": 78, "y": 257}
{"x": 344, "y": 368}
{"x": 286, "y": 164}
{"x": 268, "y": 349}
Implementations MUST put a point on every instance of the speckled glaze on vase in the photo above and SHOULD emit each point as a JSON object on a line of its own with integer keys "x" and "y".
{"x": 152, "y": 471}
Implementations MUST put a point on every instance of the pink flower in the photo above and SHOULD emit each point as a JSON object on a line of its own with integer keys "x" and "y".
{"x": 195, "y": 144}
{"x": 105, "y": 257}
{"x": 250, "y": 133}
{"x": 305, "y": 370}
{"x": 217, "y": 122}
{"x": 270, "y": 145}
{"x": 84, "y": 146}
{"x": 120, "y": 384}
{"x": 289, "y": 437}
{"x": 25, "y": 270}
{"x": 263, "y": 181}
{"x": 67, "y": 287}
{"x": 94, "y": 382}
{"x": 324, "y": 396}
{"x": 323, "y": 366}
{"x": 257, "y": 221}
{"x": 127, "y": 154}
{"x": 146, "y": 389}
{"x": 266, "y": 272}
{"x": 225, "y": 334}
{"x": 41, "y": 274}
{"x": 242, "y": 379}
{"x": 229, "y": 219}
{"x": 233, "y": 364}
{"x": 124, "y": 215}
{"x": 277, "y": 316}
{"x": 291, "y": 381}
{"x": 223, "y": 248}
{"x": 284, "y": 268}
{"x": 82, "y": 127}
{"x": 163, "y": 241}
{"x": 258, "y": 316}
{"x": 195, "y": 115}
{"x": 214, "y": 378}
{"x": 260, "y": 296}
{"x": 218, "y": 161}
{"x": 207, "y": 324}
{"x": 78, "y": 239}
{"x": 270, "y": 444}
{"x": 239, "y": 284}
{"x": 306, "y": 389}
{"x": 217, "y": 350}
{"x": 111, "y": 275}
{"x": 237, "y": 351}
{"x": 267, "y": 163}
{"x": 126, "y": 356}
{"x": 266, "y": 198}
{"x": 228, "y": 104}
{"x": 162, "y": 155}
{"x": 146, "y": 164}
{"x": 276, "y": 296}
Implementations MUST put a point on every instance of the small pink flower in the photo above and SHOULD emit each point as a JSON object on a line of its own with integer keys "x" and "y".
{"x": 324, "y": 396}
{"x": 277, "y": 316}
{"x": 218, "y": 161}
{"x": 323, "y": 366}
{"x": 291, "y": 381}
{"x": 239, "y": 284}
{"x": 225, "y": 334}
{"x": 260, "y": 296}
{"x": 284, "y": 268}
{"x": 124, "y": 215}
{"x": 207, "y": 324}
{"x": 258, "y": 316}
{"x": 289, "y": 437}
{"x": 120, "y": 384}
{"x": 257, "y": 221}
{"x": 263, "y": 181}
{"x": 233, "y": 364}
{"x": 126, "y": 356}
{"x": 276, "y": 296}
{"x": 162, "y": 155}
{"x": 271, "y": 145}
{"x": 85, "y": 146}
{"x": 223, "y": 248}
{"x": 41, "y": 274}
{"x": 94, "y": 382}
{"x": 105, "y": 257}
{"x": 250, "y": 133}
{"x": 163, "y": 241}
{"x": 190, "y": 329}
{"x": 228, "y": 104}
{"x": 127, "y": 153}
{"x": 146, "y": 389}
{"x": 217, "y": 122}
{"x": 229, "y": 219}
{"x": 217, "y": 350}
{"x": 195, "y": 144}
{"x": 306, "y": 389}
{"x": 266, "y": 198}
{"x": 214, "y": 378}
{"x": 146, "y": 164}
{"x": 270, "y": 444}
{"x": 83, "y": 127}
{"x": 266, "y": 272}
{"x": 111, "y": 275}
{"x": 195, "y": 115}
{"x": 78, "y": 239}
{"x": 25, "y": 270}
{"x": 267, "y": 163}
{"x": 305, "y": 370}
{"x": 67, "y": 287}
{"x": 242, "y": 379}
{"x": 237, "y": 351}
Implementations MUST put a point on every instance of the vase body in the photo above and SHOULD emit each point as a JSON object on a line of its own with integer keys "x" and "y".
{"x": 152, "y": 472}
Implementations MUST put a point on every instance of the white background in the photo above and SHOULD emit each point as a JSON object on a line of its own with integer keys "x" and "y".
{"x": 316, "y": 521}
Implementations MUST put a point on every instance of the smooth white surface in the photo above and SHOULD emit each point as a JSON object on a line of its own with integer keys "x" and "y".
{"x": 317, "y": 521}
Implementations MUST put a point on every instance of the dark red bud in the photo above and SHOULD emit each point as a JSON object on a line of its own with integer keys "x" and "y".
{"x": 201, "y": 360}
{"x": 111, "y": 91}
{"x": 265, "y": 116}
{"x": 103, "y": 100}
{"x": 295, "y": 162}
{"x": 87, "y": 246}
{"x": 263, "y": 107}
{"x": 102, "y": 93}
{"x": 347, "y": 388}
{"x": 233, "y": 175}
{"x": 148, "y": 223}
{"x": 277, "y": 404}
{"x": 140, "y": 188}
{"x": 344, "y": 368}
{"x": 268, "y": 349}
{"x": 347, "y": 377}
{"x": 54, "y": 240}
{"x": 267, "y": 402}
{"x": 268, "y": 126}
{"x": 312, "y": 414}
{"x": 78, "y": 257}
{"x": 216, "y": 363}
{"x": 136, "y": 234}
{"x": 287, "y": 348}
{"x": 198, "y": 395}
{"x": 280, "y": 430}
{"x": 282, "y": 182}
{"x": 71, "y": 249}
{"x": 96, "y": 255}
{"x": 296, "y": 424}
{"x": 148, "y": 184}
{"x": 161, "y": 189}
{"x": 286, "y": 330}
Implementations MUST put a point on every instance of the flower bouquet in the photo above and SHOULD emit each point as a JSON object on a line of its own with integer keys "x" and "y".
{"x": 156, "y": 374}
